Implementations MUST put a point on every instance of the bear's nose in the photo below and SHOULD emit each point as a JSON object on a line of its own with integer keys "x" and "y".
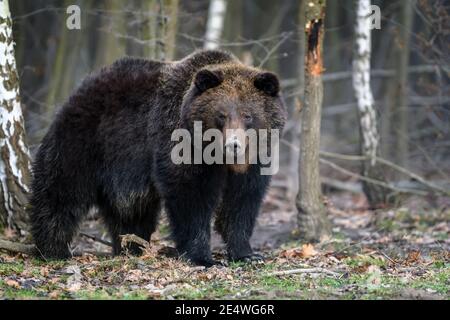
{"x": 233, "y": 145}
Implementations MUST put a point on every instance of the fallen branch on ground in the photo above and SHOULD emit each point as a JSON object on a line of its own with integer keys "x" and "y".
{"x": 132, "y": 238}
{"x": 92, "y": 237}
{"x": 17, "y": 247}
{"x": 31, "y": 250}
{"x": 309, "y": 270}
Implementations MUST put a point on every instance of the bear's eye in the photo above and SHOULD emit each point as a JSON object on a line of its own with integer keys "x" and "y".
{"x": 248, "y": 118}
{"x": 221, "y": 118}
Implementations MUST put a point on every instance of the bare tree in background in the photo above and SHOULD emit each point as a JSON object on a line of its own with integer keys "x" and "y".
{"x": 312, "y": 214}
{"x": 14, "y": 157}
{"x": 166, "y": 28}
{"x": 401, "y": 95}
{"x": 214, "y": 28}
{"x": 294, "y": 154}
{"x": 364, "y": 98}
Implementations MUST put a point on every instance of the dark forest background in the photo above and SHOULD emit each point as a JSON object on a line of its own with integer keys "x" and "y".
{"x": 52, "y": 61}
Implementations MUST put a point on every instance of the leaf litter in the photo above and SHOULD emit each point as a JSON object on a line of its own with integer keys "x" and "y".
{"x": 391, "y": 253}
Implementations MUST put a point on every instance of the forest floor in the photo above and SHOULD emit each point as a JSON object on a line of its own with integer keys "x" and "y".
{"x": 401, "y": 253}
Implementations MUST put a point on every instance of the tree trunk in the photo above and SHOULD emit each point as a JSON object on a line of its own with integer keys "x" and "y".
{"x": 165, "y": 29}
{"x": 214, "y": 28}
{"x": 376, "y": 195}
{"x": 14, "y": 156}
{"x": 294, "y": 155}
{"x": 110, "y": 46}
{"x": 401, "y": 96}
{"x": 233, "y": 25}
{"x": 312, "y": 214}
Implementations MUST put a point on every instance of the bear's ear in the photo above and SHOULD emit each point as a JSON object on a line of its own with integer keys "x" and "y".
{"x": 268, "y": 83}
{"x": 206, "y": 79}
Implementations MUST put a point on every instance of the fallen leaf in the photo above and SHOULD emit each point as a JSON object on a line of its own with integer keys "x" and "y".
{"x": 12, "y": 283}
{"x": 44, "y": 271}
{"x": 413, "y": 257}
{"x": 306, "y": 251}
{"x": 54, "y": 294}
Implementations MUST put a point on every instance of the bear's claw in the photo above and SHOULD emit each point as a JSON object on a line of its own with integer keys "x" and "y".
{"x": 253, "y": 258}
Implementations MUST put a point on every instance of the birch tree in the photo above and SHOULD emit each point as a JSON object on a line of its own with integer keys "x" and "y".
{"x": 312, "y": 214}
{"x": 365, "y": 102}
{"x": 14, "y": 156}
{"x": 214, "y": 27}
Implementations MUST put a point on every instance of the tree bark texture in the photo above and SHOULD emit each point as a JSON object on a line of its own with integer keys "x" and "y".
{"x": 366, "y": 107}
{"x": 312, "y": 214}
{"x": 14, "y": 155}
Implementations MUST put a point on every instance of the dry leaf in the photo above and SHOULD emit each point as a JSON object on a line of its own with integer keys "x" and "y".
{"x": 413, "y": 257}
{"x": 44, "y": 271}
{"x": 13, "y": 283}
{"x": 306, "y": 251}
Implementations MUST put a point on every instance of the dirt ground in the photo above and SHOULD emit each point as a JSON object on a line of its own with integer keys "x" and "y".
{"x": 392, "y": 253}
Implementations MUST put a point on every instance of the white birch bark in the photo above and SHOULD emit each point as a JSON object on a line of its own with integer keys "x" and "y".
{"x": 364, "y": 98}
{"x": 361, "y": 80}
{"x": 214, "y": 27}
{"x": 14, "y": 156}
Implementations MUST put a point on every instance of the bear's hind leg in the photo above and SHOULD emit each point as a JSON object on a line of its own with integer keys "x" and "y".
{"x": 141, "y": 221}
{"x": 53, "y": 228}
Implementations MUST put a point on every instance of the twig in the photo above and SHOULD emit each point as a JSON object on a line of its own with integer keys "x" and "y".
{"x": 373, "y": 181}
{"x": 361, "y": 177}
{"x": 413, "y": 175}
{"x": 286, "y": 36}
{"x": 186, "y": 277}
{"x": 389, "y": 258}
{"x": 92, "y": 237}
{"x": 310, "y": 270}
{"x": 17, "y": 247}
{"x": 391, "y": 165}
{"x": 127, "y": 238}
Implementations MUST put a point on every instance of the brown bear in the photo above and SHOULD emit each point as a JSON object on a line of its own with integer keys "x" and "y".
{"x": 110, "y": 145}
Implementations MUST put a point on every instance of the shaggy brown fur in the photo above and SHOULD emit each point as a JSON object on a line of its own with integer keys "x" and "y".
{"x": 109, "y": 147}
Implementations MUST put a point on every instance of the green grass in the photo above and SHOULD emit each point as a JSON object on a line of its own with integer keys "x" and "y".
{"x": 106, "y": 278}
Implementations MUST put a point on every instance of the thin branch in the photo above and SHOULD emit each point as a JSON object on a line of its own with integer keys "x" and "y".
{"x": 373, "y": 181}
{"x": 285, "y": 36}
{"x": 413, "y": 175}
{"x": 390, "y": 164}
{"x": 310, "y": 270}
{"x": 97, "y": 239}
{"x": 355, "y": 175}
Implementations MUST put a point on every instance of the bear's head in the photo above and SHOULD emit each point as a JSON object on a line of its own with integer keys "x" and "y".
{"x": 234, "y": 98}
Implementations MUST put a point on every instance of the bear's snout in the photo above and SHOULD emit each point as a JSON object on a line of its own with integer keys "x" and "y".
{"x": 233, "y": 146}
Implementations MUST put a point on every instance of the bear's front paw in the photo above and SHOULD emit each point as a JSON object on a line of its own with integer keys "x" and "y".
{"x": 253, "y": 258}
